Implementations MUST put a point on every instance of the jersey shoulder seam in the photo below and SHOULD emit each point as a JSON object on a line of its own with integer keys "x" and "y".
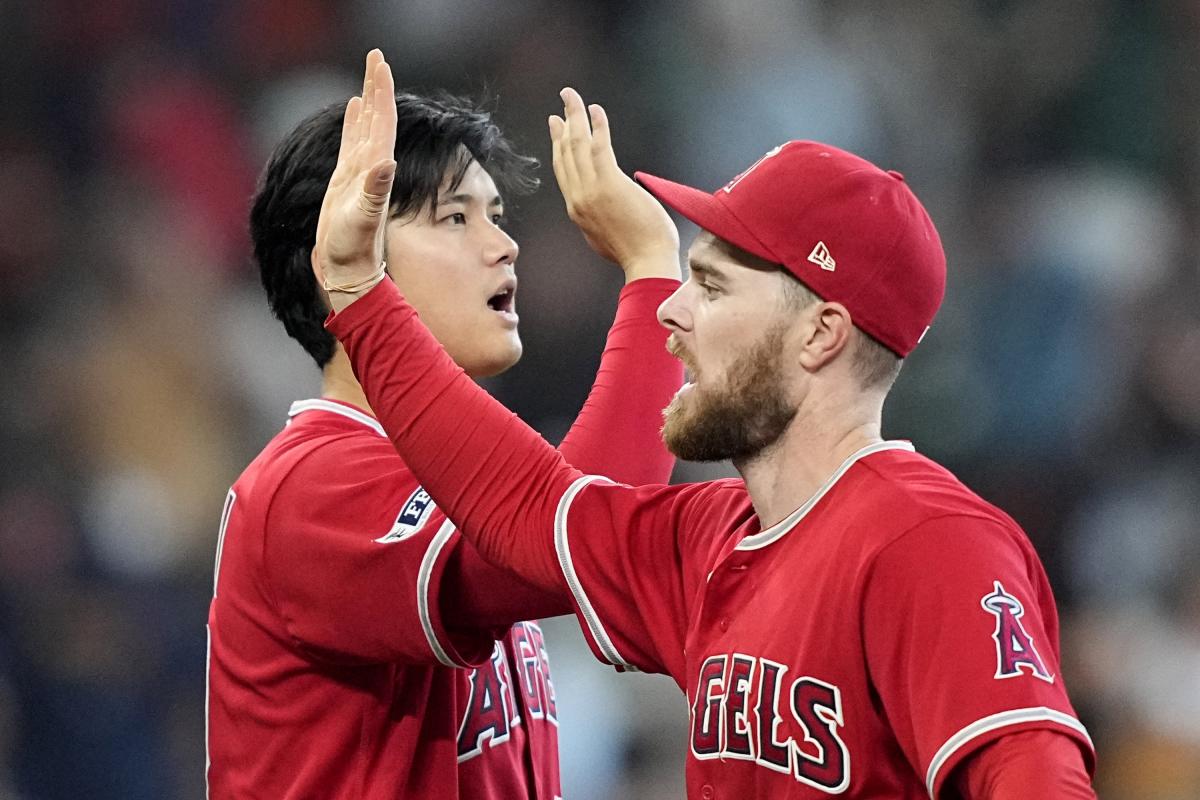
{"x": 982, "y": 510}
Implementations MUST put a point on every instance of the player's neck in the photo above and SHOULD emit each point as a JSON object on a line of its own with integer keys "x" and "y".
{"x": 338, "y": 382}
{"x": 784, "y": 476}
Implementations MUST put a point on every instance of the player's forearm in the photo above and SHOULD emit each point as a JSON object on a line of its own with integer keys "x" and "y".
{"x": 1037, "y": 763}
{"x": 658, "y": 265}
{"x": 479, "y": 596}
{"x": 495, "y": 477}
{"x": 617, "y": 432}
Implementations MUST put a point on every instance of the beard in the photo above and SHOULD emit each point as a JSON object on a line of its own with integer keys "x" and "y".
{"x": 740, "y": 418}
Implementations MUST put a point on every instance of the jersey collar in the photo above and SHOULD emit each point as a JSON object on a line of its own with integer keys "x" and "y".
{"x": 764, "y": 538}
{"x": 320, "y": 404}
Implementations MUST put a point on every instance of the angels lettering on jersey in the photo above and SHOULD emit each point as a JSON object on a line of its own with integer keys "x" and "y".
{"x": 491, "y": 712}
{"x": 751, "y": 708}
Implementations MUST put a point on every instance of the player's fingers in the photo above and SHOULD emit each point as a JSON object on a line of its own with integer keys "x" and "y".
{"x": 383, "y": 133}
{"x": 349, "y": 127}
{"x": 575, "y": 113}
{"x": 373, "y": 59}
{"x": 557, "y": 132}
{"x": 568, "y": 177}
{"x": 368, "y": 112}
{"x": 579, "y": 135}
{"x": 377, "y": 189}
{"x": 570, "y": 170}
{"x": 602, "y": 151}
{"x": 557, "y": 128}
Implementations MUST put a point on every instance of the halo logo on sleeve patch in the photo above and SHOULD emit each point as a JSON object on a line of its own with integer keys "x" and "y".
{"x": 413, "y": 516}
{"x": 1015, "y": 650}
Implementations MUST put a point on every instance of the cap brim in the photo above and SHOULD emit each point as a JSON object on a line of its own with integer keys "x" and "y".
{"x": 705, "y": 210}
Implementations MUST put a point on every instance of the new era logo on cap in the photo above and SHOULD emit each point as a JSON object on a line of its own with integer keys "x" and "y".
{"x": 890, "y": 271}
{"x": 821, "y": 257}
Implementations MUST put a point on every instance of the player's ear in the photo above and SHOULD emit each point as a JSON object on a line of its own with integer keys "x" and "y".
{"x": 826, "y": 331}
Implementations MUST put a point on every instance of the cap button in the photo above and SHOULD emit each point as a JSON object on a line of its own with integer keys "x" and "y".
{"x": 898, "y": 176}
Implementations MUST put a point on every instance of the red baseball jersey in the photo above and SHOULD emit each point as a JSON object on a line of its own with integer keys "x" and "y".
{"x": 358, "y": 646}
{"x": 888, "y": 628}
{"x": 328, "y": 652}
{"x": 865, "y": 645}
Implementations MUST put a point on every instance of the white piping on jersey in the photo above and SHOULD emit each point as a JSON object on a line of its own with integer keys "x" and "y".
{"x": 563, "y": 547}
{"x": 336, "y": 408}
{"x": 995, "y": 721}
{"x": 230, "y": 499}
{"x": 423, "y": 575}
{"x": 764, "y": 538}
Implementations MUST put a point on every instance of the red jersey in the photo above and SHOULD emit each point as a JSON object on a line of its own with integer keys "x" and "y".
{"x": 334, "y": 670}
{"x": 864, "y": 646}
{"x": 886, "y": 629}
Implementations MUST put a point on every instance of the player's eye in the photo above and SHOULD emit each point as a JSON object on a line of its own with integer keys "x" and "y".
{"x": 499, "y": 220}
{"x": 457, "y": 218}
{"x": 709, "y": 290}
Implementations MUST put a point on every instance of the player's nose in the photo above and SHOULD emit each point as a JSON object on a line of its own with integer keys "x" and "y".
{"x": 500, "y": 248}
{"x": 672, "y": 312}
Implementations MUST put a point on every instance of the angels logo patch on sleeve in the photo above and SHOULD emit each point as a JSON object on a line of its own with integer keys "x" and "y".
{"x": 413, "y": 515}
{"x": 1015, "y": 650}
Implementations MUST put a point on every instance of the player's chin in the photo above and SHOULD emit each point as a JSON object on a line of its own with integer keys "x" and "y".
{"x": 684, "y": 398}
{"x": 677, "y": 411}
{"x": 502, "y": 353}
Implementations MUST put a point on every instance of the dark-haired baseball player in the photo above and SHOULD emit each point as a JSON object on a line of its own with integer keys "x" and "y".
{"x": 848, "y": 618}
{"x": 359, "y": 648}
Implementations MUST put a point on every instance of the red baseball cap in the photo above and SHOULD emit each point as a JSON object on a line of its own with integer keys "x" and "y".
{"x": 849, "y": 231}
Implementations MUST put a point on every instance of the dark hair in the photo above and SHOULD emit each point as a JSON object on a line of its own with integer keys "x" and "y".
{"x": 435, "y": 137}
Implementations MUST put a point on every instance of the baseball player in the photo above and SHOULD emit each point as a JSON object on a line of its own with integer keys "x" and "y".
{"x": 358, "y": 647}
{"x": 848, "y": 619}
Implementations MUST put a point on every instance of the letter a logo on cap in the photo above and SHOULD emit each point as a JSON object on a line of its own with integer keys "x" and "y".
{"x": 774, "y": 151}
{"x": 821, "y": 257}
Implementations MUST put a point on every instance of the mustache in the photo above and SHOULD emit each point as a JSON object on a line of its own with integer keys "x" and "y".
{"x": 675, "y": 348}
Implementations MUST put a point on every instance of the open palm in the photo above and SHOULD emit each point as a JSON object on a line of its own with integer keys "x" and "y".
{"x": 351, "y": 226}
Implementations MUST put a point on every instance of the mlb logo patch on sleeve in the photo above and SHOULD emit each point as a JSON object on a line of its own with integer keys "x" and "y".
{"x": 413, "y": 516}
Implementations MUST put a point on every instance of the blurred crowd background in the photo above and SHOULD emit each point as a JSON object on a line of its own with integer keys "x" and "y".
{"x": 1055, "y": 142}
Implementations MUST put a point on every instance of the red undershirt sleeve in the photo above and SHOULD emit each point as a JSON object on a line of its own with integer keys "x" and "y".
{"x": 476, "y": 595}
{"x": 495, "y": 477}
{"x": 617, "y": 434}
{"x": 1038, "y": 763}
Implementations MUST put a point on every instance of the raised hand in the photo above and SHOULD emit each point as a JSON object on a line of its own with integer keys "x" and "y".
{"x": 620, "y": 220}
{"x": 348, "y": 256}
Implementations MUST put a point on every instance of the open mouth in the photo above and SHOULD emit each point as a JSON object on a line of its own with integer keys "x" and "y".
{"x": 502, "y": 300}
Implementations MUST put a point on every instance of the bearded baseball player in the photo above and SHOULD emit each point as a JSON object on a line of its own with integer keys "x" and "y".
{"x": 359, "y": 648}
{"x": 847, "y": 619}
